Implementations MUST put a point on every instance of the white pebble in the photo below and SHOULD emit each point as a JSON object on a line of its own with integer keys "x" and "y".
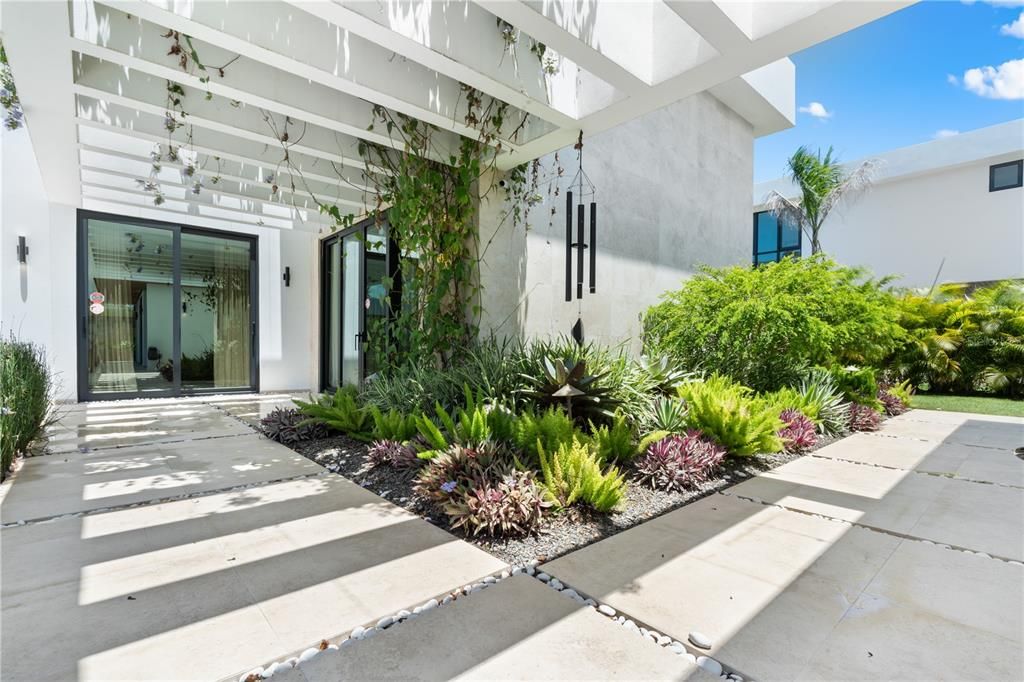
{"x": 417, "y": 611}
{"x": 577, "y": 598}
{"x": 490, "y": 580}
{"x": 358, "y": 632}
{"x": 691, "y": 658}
{"x": 678, "y": 648}
{"x": 556, "y": 583}
{"x": 403, "y": 614}
{"x": 543, "y": 577}
{"x": 384, "y": 622}
{"x": 269, "y": 671}
{"x": 432, "y": 604}
{"x": 504, "y": 574}
{"x": 569, "y": 592}
{"x": 606, "y": 610}
{"x": 476, "y": 589}
{"x": 448, "y": 600}
{"x": 664, "y": 640}
{"x": 516, "y": 570}
{"x": 530, "y": 570}
{"x": 710, "y": 665}
{"x": 308, "y": 654}
{"x": 699, "y": 639}
{"x": 345, "y": 643}
{"x": 290, "y": 663}
{"x": 370, "y": 633}
{"x": 590, "y": 602}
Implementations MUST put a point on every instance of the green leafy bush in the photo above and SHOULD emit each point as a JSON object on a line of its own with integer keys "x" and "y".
{"x": 762, "y": 326}
{"x": 26, "y": 394}
{"x": 960, "y": 342}
{"x": 857, "y": 384}
{"x": 548, "y": 430}
{"x": 730, "y": 414}
{"x": 340, "y": 412}
{"x": 572, "y": 473}
{"x": 392, "y": 425}
{"x": 614, "y": 443}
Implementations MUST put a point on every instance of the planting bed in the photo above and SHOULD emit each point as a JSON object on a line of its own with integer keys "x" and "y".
{"x": 562, "y": 532}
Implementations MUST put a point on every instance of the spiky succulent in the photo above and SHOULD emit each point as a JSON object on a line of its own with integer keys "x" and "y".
{"x": 393, "y": 454}
{"x": 566, "y": 383}
{"x": 798, "y": 432}
{"x": 863, "y": 418}
{"x": 668, "y": 414}
{"x": 665, "y": 374}
{"x": 679, "y": 461}
{"x": 289, "y": 426}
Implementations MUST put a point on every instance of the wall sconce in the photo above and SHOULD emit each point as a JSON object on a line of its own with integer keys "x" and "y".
{"x": 287, "y": 277}
{"x": 22, "y": 250}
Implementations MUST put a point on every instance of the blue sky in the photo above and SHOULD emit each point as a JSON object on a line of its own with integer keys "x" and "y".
{"x": 904, "y": 78}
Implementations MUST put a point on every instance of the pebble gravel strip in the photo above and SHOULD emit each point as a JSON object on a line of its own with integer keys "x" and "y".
{"x": 875, "y": 529}
{"x": 691, "y": 653}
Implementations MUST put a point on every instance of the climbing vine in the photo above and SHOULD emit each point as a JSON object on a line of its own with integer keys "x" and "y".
{"x": 14, "y": 117}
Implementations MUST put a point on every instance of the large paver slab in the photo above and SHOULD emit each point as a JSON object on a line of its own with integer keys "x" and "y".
{"x": 978, "y": 516}
{"x": 73, "y": 482}
{"x": 950, "y": 417}
{"x": 201, "y": 588}
{"x": 713, "y": 565}
{"x": 929, "y": 614}
{"x": 142, "y": 422}
{"x": 953, "y": 459}
{"x": 977, "y": 430}
{"x": 517, "y": 630}
{"x": 251, "y": 409}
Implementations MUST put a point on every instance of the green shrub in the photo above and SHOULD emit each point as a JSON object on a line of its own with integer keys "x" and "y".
{"x": 340, "y": 412}
{"x": 762, "y": 326}
{"x": 572, "y": 473}
{"x": 614, "y": 443}
{"x": 549, "y": 430}
{"x": 392, "y": 425}
{"x": 729, "y": 414}
{"x": 857, "y": 384}
{"x": 26, "y": 393}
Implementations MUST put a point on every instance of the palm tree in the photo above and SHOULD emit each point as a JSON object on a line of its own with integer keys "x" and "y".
{"x": 823, "y": 184}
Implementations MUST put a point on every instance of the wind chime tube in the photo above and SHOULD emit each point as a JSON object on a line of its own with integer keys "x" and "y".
{"x": 580, "y": 245}
{"x": 593, "y": 247}
{"x": 568, "y": 246}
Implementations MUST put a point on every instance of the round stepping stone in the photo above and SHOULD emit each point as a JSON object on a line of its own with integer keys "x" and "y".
{"x": 699, "y": 639}
{"x": 606, "y": 610}
{"x": 710, "y": 665}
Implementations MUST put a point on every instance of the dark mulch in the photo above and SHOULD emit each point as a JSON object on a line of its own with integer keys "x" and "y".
{"x": 564, "y": 532}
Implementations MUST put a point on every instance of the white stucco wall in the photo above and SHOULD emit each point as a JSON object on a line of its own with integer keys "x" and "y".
{"x": 669, "y": 190}
{"x": 930, "y": 207}
{"x": 37, "y": 300}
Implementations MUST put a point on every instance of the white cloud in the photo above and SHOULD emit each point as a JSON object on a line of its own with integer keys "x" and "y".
{"x": 1005, "y": 81}
{"x": 817, "y": 110}
{"x": 944, "y": 133}
{"x": 1014, "y": 29}
{"x": 997, "y": 3}
{"x": 952, "y": 80}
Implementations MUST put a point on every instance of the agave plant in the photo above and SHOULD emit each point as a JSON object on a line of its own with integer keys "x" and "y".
{"x": 665, "y": 374}
{"x": 668, "y": 414}
{"x": 566, "y": 382}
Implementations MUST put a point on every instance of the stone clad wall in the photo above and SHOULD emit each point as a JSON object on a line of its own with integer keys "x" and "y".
{"x": 672, "y": 191}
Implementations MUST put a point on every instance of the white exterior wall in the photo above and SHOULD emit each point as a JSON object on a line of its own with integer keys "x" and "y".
{"x": 37, "y": 300}
{"x": 930, "y": 206}
{"x": 667, "y": 187}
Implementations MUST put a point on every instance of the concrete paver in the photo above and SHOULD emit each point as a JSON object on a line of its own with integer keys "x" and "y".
{"x": 517, "y": 630}
{"x": 201, "y": 588}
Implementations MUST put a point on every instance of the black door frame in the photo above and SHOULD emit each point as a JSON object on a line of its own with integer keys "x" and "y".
{"x": 176, "y": 229}
{"x": 393, "y": 267}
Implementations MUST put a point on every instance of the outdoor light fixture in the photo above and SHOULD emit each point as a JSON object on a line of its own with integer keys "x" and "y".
{"x": 287, "y": 277}
{"x": 585, "y": 188}
{"x": 22, "y": 250}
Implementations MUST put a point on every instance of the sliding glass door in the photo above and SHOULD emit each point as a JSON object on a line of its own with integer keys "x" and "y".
{"x": 164, "y": 309}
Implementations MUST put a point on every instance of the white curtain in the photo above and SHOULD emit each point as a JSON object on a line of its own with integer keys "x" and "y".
{"x": 111, "y": 361}
{"x": 231, "y": 335}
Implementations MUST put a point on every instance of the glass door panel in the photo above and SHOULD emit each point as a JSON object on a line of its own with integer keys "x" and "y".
{"x": 351, "y": 307}
{"x": 377, "y": 303}
{"x": 129, "y": 324}
{"x": 215, "y": 312}
{"x": 332, "y": 316}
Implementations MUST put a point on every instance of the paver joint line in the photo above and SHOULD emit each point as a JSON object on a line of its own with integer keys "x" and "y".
{"x": 936, "y": 474}
{"x": 876, "y": 529}
{"x": 897, "y": 436}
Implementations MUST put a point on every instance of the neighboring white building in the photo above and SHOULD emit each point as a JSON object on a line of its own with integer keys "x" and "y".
{"x": 134, "y": 298}
{"x": 949, "y": 210}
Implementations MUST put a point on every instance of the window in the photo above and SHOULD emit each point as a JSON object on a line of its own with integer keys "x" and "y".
{"x": 774, "y": 239}
{"x": 1005, "y": 175}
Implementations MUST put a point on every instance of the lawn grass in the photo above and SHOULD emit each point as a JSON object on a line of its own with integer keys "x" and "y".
{"x": 972, "y": 403}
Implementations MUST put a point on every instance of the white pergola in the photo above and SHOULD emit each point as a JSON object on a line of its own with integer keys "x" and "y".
{"x": 92, "y": 78}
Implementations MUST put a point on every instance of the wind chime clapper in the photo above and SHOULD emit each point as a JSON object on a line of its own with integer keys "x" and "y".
{"x": 584, "y": 188}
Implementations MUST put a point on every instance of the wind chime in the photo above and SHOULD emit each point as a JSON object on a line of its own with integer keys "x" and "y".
{"x": 584, "y": 189}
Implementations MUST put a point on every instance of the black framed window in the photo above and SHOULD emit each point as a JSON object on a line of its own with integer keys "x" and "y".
{"x": 1006, "y": 175}
{"x": 774, "y": 239}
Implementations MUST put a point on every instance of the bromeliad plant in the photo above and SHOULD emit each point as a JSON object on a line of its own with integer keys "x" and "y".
{"x": 289, "y": 426}
{"x": 679, "y": 461}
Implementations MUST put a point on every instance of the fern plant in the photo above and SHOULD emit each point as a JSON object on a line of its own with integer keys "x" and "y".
{"x": 572, "y": 473}
{"x": 392, "y": 425}
{"x": 729, "y": 414}
{"x": 614, "y": 443}
{"x": 549, "y": 430}
{"x": 340, "y": 412}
